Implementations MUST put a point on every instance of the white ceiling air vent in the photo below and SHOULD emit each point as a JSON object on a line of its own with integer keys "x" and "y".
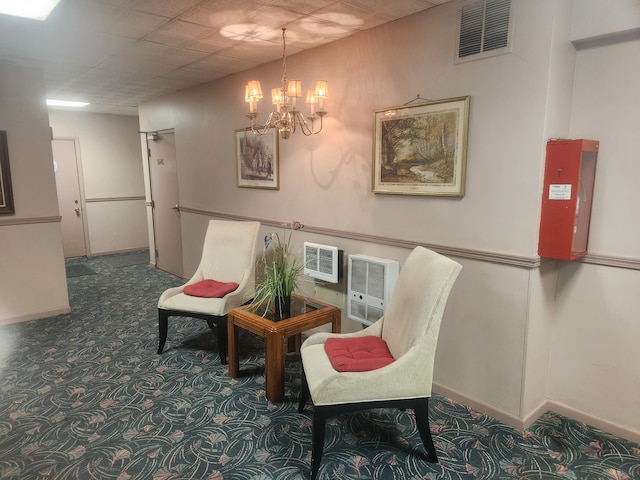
{"x": 323, "y": 262}
{"x": 484, "y": 29}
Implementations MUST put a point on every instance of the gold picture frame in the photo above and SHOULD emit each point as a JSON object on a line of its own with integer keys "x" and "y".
{"x": 257, "y": 162}
{"x": 421, "y": 149}
{"x": 6, "y": 190}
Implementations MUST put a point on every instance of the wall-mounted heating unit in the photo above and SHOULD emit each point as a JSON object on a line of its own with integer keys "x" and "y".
{"x": 370, "y": 284}
{"x": 323, "y": 262}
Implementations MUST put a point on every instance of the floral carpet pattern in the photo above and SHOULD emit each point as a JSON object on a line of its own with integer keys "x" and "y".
{"x": 85, "y": 396}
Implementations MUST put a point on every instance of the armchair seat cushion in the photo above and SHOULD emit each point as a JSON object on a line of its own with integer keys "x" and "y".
{"x": 210, "y": 289}
{"x": 358, "y": 354}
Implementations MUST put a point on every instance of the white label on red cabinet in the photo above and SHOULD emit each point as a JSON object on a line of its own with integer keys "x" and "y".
{"x": 560, "y": 192}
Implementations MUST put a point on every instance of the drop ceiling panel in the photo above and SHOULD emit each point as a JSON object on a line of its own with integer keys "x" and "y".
{"x": 117, "y": 54}
{"x": 166, "y": 8}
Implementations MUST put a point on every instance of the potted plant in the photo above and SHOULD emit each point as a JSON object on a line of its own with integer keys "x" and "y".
{"x": 281, "y": 271}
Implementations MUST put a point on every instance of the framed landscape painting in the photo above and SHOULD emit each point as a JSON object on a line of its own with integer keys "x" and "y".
{"x": 257, "y": 159}
{"x": 421, "y": 149}
{"x": 6, "y": 191}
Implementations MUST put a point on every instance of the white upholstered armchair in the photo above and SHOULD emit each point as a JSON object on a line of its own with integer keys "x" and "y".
{"x": 409, "y": 328}
{"x": 227, "y": 263}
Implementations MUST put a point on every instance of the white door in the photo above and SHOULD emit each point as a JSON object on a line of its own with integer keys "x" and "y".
{"x": 163, "y": 174}
{"x": 70, "y": 202}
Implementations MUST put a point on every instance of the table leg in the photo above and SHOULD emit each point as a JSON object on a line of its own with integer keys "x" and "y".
{"x": 336, "y": 322}
{"x": 293, "y": 343}
{"x": 274, "y": 366}
{"x": 234, "y": 360}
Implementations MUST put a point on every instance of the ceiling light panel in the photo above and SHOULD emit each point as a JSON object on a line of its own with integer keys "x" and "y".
{"x": 34, "y": 9}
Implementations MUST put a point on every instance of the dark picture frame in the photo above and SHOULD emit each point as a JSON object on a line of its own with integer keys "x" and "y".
{"x": 257, "y": 162}
{"x": 421, "y": 149}
{"x": 6, "y": 190}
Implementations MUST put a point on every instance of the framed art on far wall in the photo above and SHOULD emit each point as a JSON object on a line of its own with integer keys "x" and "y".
{"x": 421, "y": 149}
{"x": 257, "y": 159}
{"x": 6, "y": 191}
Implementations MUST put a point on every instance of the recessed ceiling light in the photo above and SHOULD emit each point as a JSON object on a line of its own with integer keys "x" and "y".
{"x": 35, "y": 9}
{"x": 65, "y": 103}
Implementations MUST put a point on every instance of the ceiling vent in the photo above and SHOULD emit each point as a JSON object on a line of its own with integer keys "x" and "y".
{"x": 484, "y": 29}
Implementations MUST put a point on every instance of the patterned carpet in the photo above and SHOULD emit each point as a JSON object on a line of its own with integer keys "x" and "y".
{"x": 85, "y": 396}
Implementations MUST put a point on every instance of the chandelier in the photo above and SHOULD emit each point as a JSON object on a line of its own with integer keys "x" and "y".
{"x": 286, "y": 117}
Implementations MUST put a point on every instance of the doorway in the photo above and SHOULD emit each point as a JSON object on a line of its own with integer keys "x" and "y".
{"x": 68, "y": 172}
{"x": 165, "y": 201}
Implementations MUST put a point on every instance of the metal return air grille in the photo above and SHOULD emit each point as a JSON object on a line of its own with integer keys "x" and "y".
{"x": 484, "y": 27}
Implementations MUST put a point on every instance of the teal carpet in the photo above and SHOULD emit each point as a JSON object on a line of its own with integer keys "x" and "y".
{"x": 85, "y": 396}
{"x": 78, "y": 271}
{"x": 126, "y": 259}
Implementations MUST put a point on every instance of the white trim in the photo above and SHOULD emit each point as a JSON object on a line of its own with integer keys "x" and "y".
{"x": 502, "y": 416}
{"x": 604, "y": 425}
{"x": 6, "y": 222}
{"x": 126, "y": 250}
{"x": 115, "y": 199}
{"x": 548, "y": 405}
{"x": 481, "y": 255}
{"x": 35, "y": 316}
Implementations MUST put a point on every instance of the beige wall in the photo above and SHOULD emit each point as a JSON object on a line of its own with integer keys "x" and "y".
{"x": 508, "y": 332}
{"x": 596, "y": 330}
{"x": 326, "y": 179}
{"x": 30, "y": 240}
{"x": 112, "y": 175}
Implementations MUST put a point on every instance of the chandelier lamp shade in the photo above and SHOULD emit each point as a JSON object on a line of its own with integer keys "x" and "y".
{"x": 286, "y": 117}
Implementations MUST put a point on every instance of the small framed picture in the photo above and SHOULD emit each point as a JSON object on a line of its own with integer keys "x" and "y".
{"x": 6, "y": 191}
{"x": 421, "y": 149}
{"x": 257, "y": 159}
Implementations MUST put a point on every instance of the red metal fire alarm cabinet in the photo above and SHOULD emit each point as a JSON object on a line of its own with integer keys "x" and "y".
{"x": 569, "y": 176}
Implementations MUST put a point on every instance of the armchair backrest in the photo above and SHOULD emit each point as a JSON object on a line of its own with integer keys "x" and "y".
{"x": 418, "y": 301}
{"x": 229, "y": 251}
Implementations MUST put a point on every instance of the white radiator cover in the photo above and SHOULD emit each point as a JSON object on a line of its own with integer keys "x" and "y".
{"x": 323, "y": 262}
{"x": 370, "y": 283}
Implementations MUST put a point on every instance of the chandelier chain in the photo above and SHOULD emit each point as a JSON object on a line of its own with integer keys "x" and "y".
{"x": 284, "y": 59}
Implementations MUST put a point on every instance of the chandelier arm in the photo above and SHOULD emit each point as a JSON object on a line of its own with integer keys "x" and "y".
{"x": 263, "y": 129}
{"x": 304, "y": 125}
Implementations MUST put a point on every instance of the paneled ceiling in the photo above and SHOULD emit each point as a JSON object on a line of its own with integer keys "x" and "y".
{"x": 117, "y": 54}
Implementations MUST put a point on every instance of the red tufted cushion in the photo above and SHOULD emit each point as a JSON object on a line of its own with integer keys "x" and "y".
{"x": 210, "y": 289}
{"x": 358, "y": 354}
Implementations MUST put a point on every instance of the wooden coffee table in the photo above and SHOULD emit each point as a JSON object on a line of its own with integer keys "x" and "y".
{"x": 279, "y": 336}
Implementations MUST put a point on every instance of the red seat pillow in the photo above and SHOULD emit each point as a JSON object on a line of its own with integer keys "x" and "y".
{"x": 358, "y": 354}
{"x": 210, "y": 289}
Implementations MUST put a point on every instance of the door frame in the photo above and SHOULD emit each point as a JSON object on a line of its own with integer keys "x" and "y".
{"x": 145, "y": 138}
{"x": 83, "y": 202}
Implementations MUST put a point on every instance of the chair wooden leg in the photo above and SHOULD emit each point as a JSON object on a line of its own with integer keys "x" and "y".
{"x": 422, "y": 421}
{"x": 317, "y": 443}
{"x": 222, "y": 335}
{"x": 163, "y": 325}
{"x": 219, "y": 324}
{"x": 304, "y": 393}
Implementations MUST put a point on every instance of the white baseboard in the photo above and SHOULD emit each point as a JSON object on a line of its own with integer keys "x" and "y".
{"x": 604, "y": 425}
{"x": 504, "y": 417}
{"x": 549, "y": 405}
{"x": 112, "y": 252}
{"x": 35, "y": 316}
